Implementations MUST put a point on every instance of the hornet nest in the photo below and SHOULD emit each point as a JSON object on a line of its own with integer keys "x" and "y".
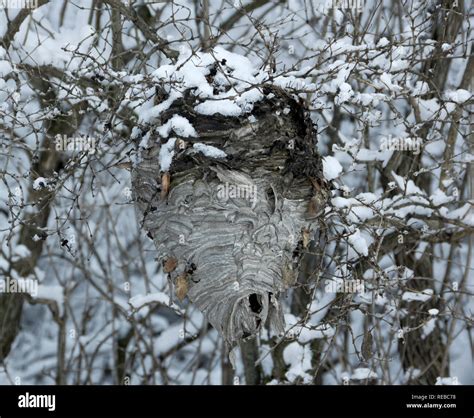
{"x": 230, "y": 200}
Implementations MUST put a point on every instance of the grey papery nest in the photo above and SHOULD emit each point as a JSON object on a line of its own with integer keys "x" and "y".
{"x": 230, "y": 231}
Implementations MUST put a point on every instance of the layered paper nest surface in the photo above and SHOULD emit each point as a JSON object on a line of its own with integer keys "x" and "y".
{"x": 230, "y": 202}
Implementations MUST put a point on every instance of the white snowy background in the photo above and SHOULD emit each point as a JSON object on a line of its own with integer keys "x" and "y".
{"x": 102, "y": 292}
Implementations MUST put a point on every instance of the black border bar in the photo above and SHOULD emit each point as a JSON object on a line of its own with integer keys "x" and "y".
{"x": 242, "y": 401}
